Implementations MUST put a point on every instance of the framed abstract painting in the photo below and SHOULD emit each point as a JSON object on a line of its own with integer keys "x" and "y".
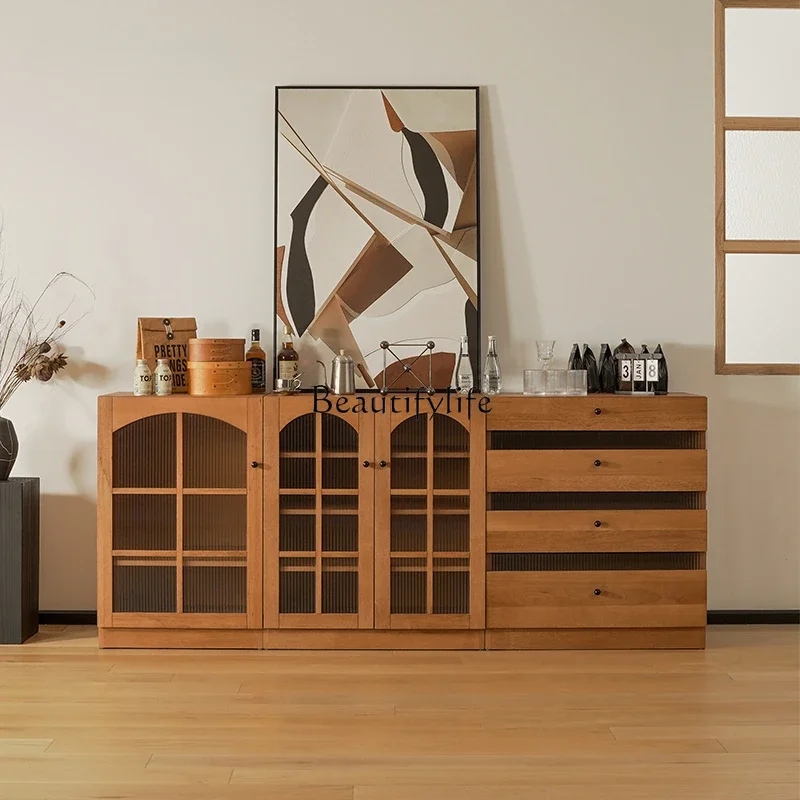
{"x": 377, "y": 230}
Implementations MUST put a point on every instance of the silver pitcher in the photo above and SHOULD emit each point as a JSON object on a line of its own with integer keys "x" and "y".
{"x": 343, "y": 374}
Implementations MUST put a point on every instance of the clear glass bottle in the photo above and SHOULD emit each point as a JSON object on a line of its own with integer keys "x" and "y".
{"x": 465, "y": 380}
{"x": 258, "y": 362}
{"x": 142, "y": 379}
{"x": 163, "y": 378}
{"x": 492, "y": 379}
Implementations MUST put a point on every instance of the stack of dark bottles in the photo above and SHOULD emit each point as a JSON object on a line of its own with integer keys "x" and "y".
{"x": 586, "y": 362}
{"x": 604, "y": 376}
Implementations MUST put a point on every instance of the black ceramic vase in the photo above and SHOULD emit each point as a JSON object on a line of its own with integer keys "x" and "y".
{"x": 9, "y": 447}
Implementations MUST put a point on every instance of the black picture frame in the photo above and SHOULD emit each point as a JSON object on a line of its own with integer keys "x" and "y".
{"x": 474, "y": 346}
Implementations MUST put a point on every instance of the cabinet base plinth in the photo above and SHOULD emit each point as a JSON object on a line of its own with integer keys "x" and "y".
{"x": 373, "y": 640}
{"x": 180, "y": 639}
{"x": 598, "y": 639}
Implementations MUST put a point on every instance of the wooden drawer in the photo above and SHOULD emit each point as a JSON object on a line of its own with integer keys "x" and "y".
{"x": 596, "y": 470}
{"x": 616, "y": 413}
{"x": 626, "y": 599}
{"x": 578, "y": 531}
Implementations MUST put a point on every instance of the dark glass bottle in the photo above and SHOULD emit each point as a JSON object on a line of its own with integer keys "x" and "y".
{"x": 605, "y": 369}
{"x": 590, "y": 365}
{"x": 663, "y": 374}
{"x": 258, "y": 363}
{"x": 575, "y": 360}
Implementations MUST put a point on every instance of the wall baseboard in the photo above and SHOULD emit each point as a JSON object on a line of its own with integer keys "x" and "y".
{"x": 68, "y": 618}
{"x": 778, "y": 617}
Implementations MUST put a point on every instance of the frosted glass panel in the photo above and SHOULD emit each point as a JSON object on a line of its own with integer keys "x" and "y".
{"x": 761, "y": 320}
{"x": 762, "y": 62}
{"x": 762, "y": 184}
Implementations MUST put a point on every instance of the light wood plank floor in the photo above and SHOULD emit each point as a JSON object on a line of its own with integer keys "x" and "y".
{"x": 77, "y": 723}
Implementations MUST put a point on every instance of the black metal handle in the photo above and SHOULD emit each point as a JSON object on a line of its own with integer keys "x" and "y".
{"x": 365, "y": 463}
{"x": 382, "y": 464}
{"x": 597, "y": 462}
{"x": 596, "y": 592}
{"x": 598, "y": 411}
{"x": 254, "y": 464}
{"x": 597, "y": 523}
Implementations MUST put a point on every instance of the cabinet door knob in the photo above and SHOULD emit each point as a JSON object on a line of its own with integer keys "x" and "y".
{"x": 597, "y": 592}
{"x": 597, "y": 523}
{"x": 597, "y": 462}
{"x": 254, "y": 464}
{"x": 365, "y": 463}
{"x": 382, "y": 464}
{"x": 598, "y": 411}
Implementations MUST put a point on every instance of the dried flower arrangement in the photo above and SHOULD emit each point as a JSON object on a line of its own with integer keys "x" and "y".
{"x": 28, "y": 340}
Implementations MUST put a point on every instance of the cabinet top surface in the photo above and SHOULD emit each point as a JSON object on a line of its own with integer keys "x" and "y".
{"x": 503, "y": 396}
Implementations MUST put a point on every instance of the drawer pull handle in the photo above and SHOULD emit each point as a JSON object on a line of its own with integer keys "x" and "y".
{"x": 597, "y": 523}
{"x": 597, "y": 462}
{"x": 254, "y": 464}
{"x": 596, "y": 592}
{"x": 365, "y": 463}
{"x": 382, "y": 464}
{"x": 598, "y": 411}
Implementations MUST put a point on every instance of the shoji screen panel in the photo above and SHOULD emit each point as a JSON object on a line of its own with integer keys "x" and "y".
{"x": 758, "y": 185}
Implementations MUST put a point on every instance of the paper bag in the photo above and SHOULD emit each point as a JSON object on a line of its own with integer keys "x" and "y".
{"x": 167, "y": 337}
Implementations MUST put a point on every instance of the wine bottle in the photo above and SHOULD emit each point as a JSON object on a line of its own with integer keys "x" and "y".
{"x": 492, "y": 379}
{"x": 258, "y": 363}
{"x": 464, "y": 377}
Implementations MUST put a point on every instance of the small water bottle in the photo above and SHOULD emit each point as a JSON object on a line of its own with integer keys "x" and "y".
{"x": 163, "y": 378}
{"x": 142, "y": 379}
{"x": 492, "y": 379}
{"x": 464, "y": 377}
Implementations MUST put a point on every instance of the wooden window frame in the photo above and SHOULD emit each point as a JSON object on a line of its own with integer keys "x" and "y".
{"x": 724, "y": 246}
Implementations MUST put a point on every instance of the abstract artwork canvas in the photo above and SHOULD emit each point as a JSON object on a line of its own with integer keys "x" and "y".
{"x": 377, "y": 229}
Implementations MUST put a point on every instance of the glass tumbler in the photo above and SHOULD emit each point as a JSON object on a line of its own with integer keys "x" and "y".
{"x": 557, "y": 381}
{"x": 534, "y": 381}
{"x": 576, "y": 382}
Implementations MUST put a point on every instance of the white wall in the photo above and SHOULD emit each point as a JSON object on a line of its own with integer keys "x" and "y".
{"x": 136, "y": 150}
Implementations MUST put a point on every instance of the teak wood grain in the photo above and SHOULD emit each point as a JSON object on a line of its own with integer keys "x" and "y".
{"x": 657, "y": 530}
{"x": 617, "y": 413}
{"x": 578, "y": 470}
{"x": 626, "y": 599}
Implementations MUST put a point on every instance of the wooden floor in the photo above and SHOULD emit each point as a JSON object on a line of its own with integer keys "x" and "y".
{"x": 77, "y": 723}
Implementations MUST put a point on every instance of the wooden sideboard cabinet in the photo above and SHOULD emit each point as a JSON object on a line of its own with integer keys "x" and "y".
{"x": 372, "y": 526}
{"x": 596, "y": 522}
{"x": 179, "y": 521}
{"x": 259, "y": 522}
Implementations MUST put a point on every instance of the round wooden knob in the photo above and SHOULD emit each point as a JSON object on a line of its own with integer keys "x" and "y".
{"x": 597, "y": 523}
{"x": 365, "y": 463}
{"x": 254, "y": 464}
{"x": 596, "y": 592}
{"x": 382, "y": 464}
{"x": 597, "y": 462}
{"x": 598, "y": 411}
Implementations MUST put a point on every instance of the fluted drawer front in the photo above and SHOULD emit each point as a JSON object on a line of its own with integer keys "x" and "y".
{"x": 597, "y": 413}
{"x": 595, "y": 531}
{"x": 596, "y": 470}
{"x": 601, "y": 599}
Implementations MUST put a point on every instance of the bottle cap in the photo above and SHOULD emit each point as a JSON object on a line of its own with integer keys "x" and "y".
{"x": 255, "y": 334}
{"x": 287, "y": 329}
{"x": 163, "y": 360}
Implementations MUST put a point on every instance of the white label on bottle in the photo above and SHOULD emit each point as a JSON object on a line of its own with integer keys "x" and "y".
{"x": 287, "y": 370}
{"x": 652, "y": 370}
{"x": 625, "y": 370}
{"x": 638, "y": 369}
